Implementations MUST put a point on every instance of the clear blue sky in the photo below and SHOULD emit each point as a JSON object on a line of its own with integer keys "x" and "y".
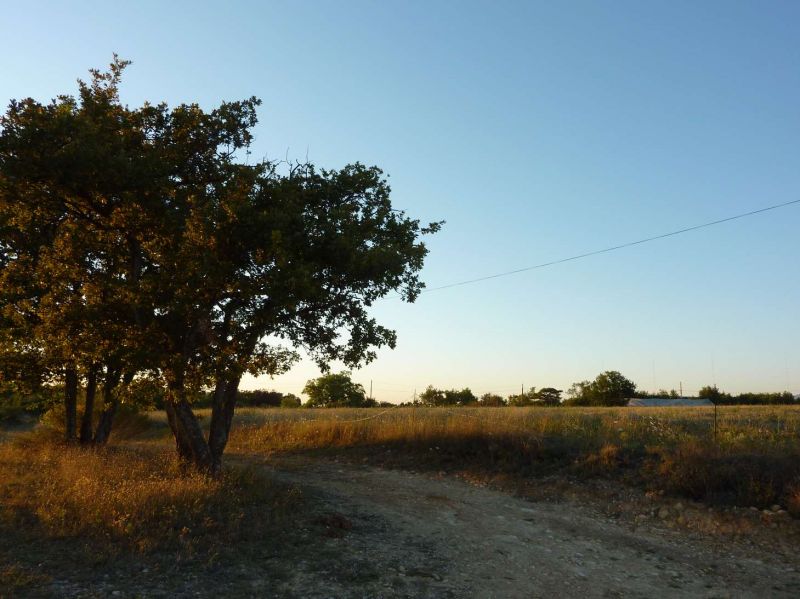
{"x": 537, "y": 131}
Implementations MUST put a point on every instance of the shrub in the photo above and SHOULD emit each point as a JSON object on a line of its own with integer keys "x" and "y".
{"x": 709, "y": 472}
{"x": 290, "y": 400}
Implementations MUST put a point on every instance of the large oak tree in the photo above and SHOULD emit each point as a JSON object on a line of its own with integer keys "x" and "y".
{"x": 135, "y": 241}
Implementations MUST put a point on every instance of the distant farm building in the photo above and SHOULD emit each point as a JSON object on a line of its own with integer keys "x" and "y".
{"x": 658, "y": 402}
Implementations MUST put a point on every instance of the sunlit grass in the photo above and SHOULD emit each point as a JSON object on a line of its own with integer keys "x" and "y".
{"x": 751, "y": 456}
{"x": 130, "y": 499}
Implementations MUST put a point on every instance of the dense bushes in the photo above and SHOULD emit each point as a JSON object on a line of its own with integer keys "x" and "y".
{"x": 15, "y": 403}
{"x": 746, "y": 399}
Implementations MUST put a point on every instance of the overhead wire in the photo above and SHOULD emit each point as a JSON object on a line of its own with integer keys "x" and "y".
{"x": 609, "y": 249}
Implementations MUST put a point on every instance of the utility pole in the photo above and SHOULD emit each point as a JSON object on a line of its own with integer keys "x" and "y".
{"x": 370, "y": 389}
{"x": 655, "y": 387}
{"x": 713, "y": 371}
{"x": 681, "y": 385}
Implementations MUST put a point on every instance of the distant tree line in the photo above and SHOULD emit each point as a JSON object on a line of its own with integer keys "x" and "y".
{"x": 609, "y": 388}
{"x": 256, "y": 398}
{"x": 722, "y": 398}
{"x": 433, "y": 397}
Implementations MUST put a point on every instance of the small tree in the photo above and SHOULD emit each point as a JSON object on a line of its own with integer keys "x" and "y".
{"x": 260, "y": 398}
{"x": 290, "y": 400}
{"x": 335, "y": 391}
{"x": 432, "y": 397}
{"x": 548, "y": 396}
{"x": 524, "y": 399}
{"x": 462, "y": 397}
{"x": 712, "y": 392}
{"x": 610, "y": 388}
{"x": 491, "y": 400}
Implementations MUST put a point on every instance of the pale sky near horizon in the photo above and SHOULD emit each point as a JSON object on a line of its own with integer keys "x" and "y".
{"x": 537, "y": 130}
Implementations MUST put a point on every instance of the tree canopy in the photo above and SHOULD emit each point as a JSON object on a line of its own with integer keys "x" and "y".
{"x": 336, "y": 390}
{"x": 610, "y": 388}
{"x": 450, "y": 397}
{"x": 134, "y": 241}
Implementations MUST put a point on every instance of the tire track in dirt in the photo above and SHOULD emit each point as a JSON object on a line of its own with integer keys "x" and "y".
{"x": 411, "y": 535}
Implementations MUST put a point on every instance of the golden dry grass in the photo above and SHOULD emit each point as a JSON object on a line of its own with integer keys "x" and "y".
{"x": 753, "y": 459}
{"x": 130, "y": 499}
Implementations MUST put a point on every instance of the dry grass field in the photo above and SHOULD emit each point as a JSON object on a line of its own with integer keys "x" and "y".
{"x": 753, "y": 459}
{"x": 69, "y": 513}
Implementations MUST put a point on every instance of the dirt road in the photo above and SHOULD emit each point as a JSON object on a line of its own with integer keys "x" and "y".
{"x": 399, "y": 534}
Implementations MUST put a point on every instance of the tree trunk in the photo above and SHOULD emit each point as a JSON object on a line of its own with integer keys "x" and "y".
{"x": 222, "y": 409}
{"x": 110, "y": 405}
{"x": 71, "y": 402}
{"x": 190, "y": 442}
{"x": 181, "y": 445}
{"x": 88, "y": 409}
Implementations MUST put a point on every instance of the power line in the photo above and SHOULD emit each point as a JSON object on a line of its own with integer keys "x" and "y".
{"x": 610, "y": 249}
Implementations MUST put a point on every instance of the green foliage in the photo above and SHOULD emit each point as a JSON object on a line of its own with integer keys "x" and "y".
{"x": 712, "y": 393}
{"x": 610, "y": 388}
{"x": 15, "y": 401}
{"x": 783, "y": 398}
{"x": 290, "y": 400}
{"x": 143, "y": 393}
{"x": 432, "y": 397}
{"x": 491, "y": 400}
{"x": 721, "y": 398}
{"x": 528, "y": 398}
{"x": 460, "y": 397}
{"x": 452, "y": 397}
{"x": 660, "y": 394}
{"x": 549, "y": 396}
{"x": 520, "y": 400}
{"x": 259, "y": 398}
{"x": 335, "y": 391}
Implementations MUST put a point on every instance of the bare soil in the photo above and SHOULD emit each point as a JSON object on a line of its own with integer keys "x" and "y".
{"x": 404, "y": 534}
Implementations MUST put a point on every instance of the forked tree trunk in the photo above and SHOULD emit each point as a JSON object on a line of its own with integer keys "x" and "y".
{"x": 70, "y": 403}
{"x": 110, "y": 405}
{"x": 189, "y": 440}
{"x": 192, "y": 447}
{"x": 88, "y": 409}
{"x": 193, "y": 435}
{"x": 222, "y": 409}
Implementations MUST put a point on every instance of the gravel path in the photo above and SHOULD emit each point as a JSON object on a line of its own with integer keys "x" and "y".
{"x": 392, "y": 533}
